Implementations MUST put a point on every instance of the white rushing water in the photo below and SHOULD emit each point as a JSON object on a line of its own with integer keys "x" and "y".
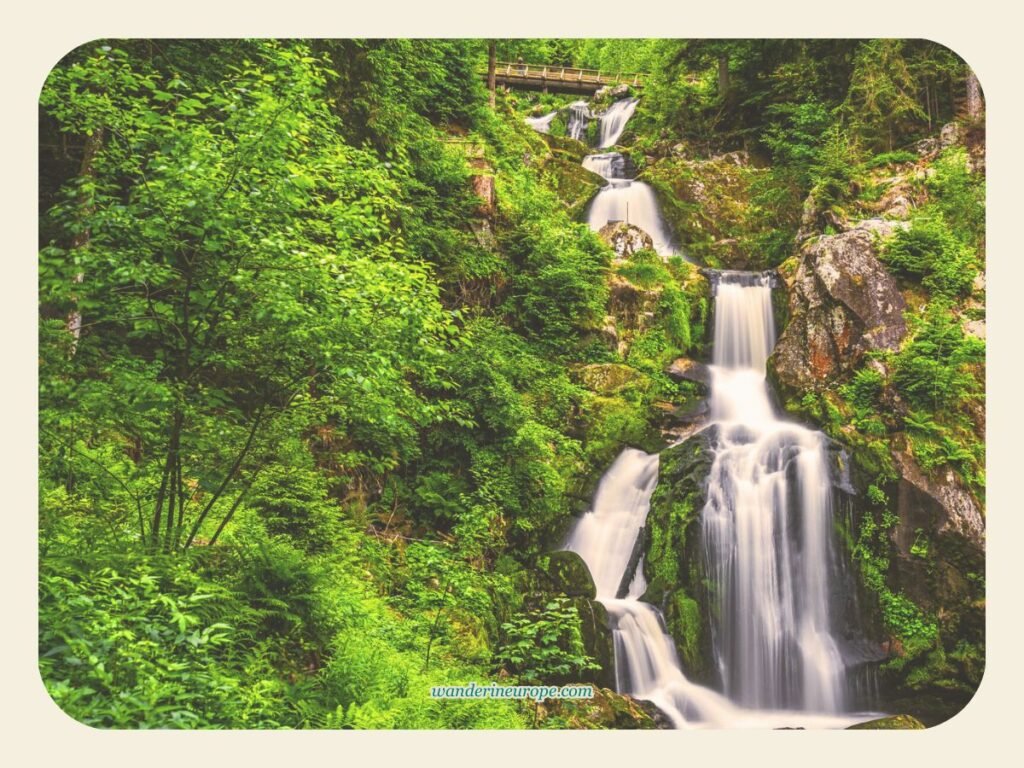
{"x": 613, "y": 122}
{"x": 768, "y": 542}
{"x": 646, "y": 663}
{"x": 579, "y": 117}
{"x": 542, "y": 123}
{"x": 633, "y": 202}
{"x": 767, "y": 524}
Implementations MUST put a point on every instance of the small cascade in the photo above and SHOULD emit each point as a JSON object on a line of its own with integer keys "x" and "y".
{"x": 633, "y": 202}
{"x": 625, "y": 199}
{"x": 613, "y": 122}
{"x": 579, "y": 118}
{"x": 646, "y": 663}
{"x": 541, "y": 124}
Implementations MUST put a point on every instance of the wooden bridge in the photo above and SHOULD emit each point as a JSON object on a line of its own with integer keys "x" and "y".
{"x": 546, "y": 77}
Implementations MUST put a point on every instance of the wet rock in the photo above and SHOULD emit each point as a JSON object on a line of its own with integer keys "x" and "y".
{"x": 625, "y": 239}
{"x": 842, "y": 303}
{"x": 685, "y": 369}
{"x": 597, "y": 641}
{"x": 936, "y": 502}
{"x": 672, "y": 550}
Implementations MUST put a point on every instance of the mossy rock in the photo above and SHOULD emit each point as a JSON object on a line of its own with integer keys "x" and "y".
{"x": 606, "y": 710}
{"x": 672, "y": 563}
{"x": 893, "y": 723}
{"x": 566, "y": 573}
{"x": 573, "y": 183}
{"x": 609, "y": 378}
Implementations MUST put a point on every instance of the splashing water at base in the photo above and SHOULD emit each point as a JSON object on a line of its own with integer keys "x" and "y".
{"x": 646, "y": 664}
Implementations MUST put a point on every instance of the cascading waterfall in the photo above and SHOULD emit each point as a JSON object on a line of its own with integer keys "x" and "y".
{"x": 613, "y": 122}
{"x": 767, "y": 524}
{"x": 769, "y": 551}
{"x": 624, "y": 199}
{"x": 766, "y": 528}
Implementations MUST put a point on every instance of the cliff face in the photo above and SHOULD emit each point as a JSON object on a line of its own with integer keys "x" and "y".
{"x": 842, "y": 303}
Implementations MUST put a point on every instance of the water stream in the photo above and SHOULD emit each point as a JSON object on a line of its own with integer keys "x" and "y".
{"x": 768, "y": 543}
{"x": 769, "y": 549}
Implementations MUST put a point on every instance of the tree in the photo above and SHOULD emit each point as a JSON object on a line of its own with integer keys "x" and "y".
{"x": 975, "y": 104}
{"x": 492, "y": 60}
{"x": 244, "y": 278}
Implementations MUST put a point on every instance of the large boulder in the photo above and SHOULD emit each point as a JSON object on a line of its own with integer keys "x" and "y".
{"x": 842, "y": 303}
{"x": 939, "y": 539}
{"x": 625, "y": 239}
{"x": 685, "y": 369}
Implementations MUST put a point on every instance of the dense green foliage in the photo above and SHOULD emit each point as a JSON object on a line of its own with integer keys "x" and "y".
{"x": 327, "y": 358}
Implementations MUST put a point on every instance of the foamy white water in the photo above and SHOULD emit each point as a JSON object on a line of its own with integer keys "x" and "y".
{"x": 613, "y": 121}
{"x": 633, "y": 202}
{"x": 767, "y": 524}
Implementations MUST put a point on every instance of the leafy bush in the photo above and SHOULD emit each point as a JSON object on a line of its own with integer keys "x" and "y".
{"x": 928, "y": 249}
{"x": 897, "y": 157}
{"x": 545, "y": 645}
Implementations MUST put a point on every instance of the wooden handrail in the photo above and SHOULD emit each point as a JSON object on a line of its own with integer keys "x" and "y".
{"x": 578, "y": 74}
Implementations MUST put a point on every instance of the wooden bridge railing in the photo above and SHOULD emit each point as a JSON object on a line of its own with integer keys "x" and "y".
{"x": 508, "y": 70}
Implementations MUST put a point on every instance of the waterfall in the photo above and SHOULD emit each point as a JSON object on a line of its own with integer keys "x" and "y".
{"x": 646, "y": 663}
{"x": 613, "y": 122}
{"x": 769, "y": 554}
{"x": 633, "y": 202}
{"x": 767, "y": 525}
{"x": 622, "y": 198}
{"x": 611, "y": 165}
{"x": 541, "y": 124}
{"x": 579, "y": 116}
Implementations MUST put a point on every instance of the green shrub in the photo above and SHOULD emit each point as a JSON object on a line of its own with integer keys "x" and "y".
{"x": 929, "y": 250}
{"x": 897, "y": 157}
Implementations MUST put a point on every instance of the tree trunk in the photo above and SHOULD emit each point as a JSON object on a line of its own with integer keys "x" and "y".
{"x": 723, "y": 75}
{"x": 975, "y": 102}
{"x": 492, "y": 64}
{"x": 93, "y": 144}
